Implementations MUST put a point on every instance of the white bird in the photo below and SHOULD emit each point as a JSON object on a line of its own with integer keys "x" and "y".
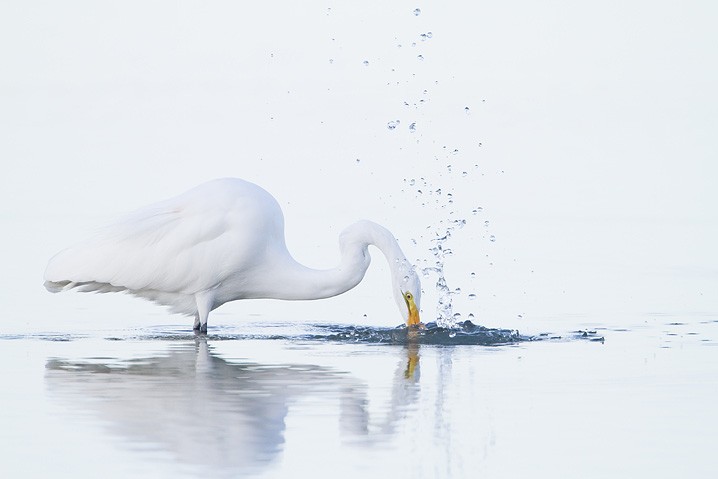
{"x": 222, "y": 241}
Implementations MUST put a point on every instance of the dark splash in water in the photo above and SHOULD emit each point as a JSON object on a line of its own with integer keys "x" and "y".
{"x": 465, "y": 333}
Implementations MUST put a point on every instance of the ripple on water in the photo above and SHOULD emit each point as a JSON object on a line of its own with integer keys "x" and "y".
{"x": 464, "y": 333}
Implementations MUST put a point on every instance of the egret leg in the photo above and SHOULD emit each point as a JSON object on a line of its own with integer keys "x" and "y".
{"x": 205, "y": 301}
{"x": 196, "y": 322}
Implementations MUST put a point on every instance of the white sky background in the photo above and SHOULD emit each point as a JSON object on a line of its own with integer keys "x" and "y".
{"x": 590, "y": 140}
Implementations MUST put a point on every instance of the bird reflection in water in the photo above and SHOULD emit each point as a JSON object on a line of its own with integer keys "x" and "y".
{"x": 412, "y": 353}
{"x": 210, "y": 412}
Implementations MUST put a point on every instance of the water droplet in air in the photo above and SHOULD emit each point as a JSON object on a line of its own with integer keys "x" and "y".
{"x": 358, "y": 160}
{"x": 331, "y": 60}
{"x": 366, "y": 63}
{"x": 463, "y": 173}
{"x": 472, "y": 296}
{"x": 420, "y": 57}
{"x": 393, "y": 124}
{"x": 466, "y": 109}
{"x": 471, "y": 316}
{"x": 452, "y": 334}
{"x": 417, "y": 12}
{"x": 492, "y": 238}
{"x": 486, "y": 223}
{"x": 457, "y": 316}
{"x": 412, "y": 127}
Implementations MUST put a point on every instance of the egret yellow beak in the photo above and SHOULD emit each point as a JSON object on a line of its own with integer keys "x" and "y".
{"x": 413, "y": 318}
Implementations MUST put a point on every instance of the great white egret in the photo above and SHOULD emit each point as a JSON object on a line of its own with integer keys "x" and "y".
{"x": 221, "y": 241}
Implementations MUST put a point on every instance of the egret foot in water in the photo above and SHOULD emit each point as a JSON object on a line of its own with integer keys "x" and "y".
{"x": 199, "y": 327}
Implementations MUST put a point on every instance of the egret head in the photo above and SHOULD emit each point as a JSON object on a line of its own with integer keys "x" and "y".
{"x": 408, "y": 296}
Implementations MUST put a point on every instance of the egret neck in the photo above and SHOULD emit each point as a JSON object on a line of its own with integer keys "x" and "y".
{"x": 300, "y": 282}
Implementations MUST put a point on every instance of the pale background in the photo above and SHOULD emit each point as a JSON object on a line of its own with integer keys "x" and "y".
{"x": 589, "y": 141}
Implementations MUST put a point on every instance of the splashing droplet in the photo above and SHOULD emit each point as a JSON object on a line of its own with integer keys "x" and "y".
{"x": 420, "y": 57}
{"x": 492, "y": 238}
{"x": 417, "y": 12}
{"x": 366, "y": 63}
{"x": 472, "y": 296}
{"x": 393, "y": 124}
{"x": 412, "y": 127}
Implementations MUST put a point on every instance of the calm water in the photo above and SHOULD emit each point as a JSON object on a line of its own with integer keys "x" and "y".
{"x": 273, "y": 399}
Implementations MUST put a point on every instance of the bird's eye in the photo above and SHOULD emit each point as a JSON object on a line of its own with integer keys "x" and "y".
{"x": 408, "y": 295}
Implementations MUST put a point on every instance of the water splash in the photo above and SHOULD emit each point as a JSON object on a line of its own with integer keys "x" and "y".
{"x": 445, "y": 317}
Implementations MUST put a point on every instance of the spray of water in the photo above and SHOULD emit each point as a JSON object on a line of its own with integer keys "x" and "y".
{"x": 445, "y": 316}
{"x": 439, "y": 247}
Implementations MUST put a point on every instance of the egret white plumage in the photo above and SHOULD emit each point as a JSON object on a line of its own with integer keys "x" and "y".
{"x": 218, "y": 242}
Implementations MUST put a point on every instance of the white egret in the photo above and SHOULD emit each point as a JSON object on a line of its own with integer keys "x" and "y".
{"x": 221, "y": 241}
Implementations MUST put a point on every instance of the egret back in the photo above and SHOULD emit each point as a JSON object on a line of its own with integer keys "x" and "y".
{"x": 171, "y": 250}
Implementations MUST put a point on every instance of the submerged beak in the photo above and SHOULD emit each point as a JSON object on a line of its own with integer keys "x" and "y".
{"x": 413, "y": 318}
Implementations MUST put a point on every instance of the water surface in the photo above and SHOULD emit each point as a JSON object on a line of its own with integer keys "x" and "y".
{"x": 278, "y": 399}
